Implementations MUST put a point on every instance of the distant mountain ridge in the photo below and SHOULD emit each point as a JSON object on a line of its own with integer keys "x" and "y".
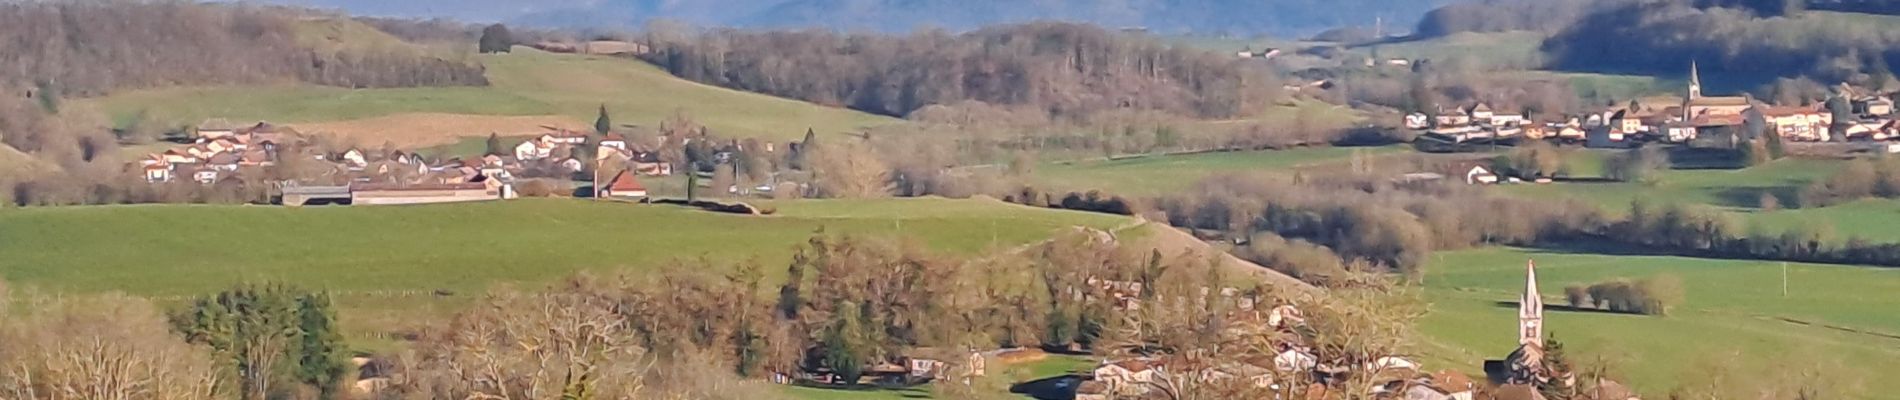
{"x": 1284, "y": 18}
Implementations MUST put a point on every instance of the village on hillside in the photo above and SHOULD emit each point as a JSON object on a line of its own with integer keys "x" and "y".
{"x": 1862, "y": 117}
{"x": 302, "y": 169}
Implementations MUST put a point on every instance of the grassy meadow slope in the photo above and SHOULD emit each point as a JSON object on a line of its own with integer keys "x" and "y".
{"x": 396, "y": 268}
{"x": 1513, "y": 49}
{"x": 1160, "y": 175}
{"x": 1739, "y": 193}
{"x": 1836, "y": 320}
{"x": 181, "y": 250}
{"x": 563, "y": 87}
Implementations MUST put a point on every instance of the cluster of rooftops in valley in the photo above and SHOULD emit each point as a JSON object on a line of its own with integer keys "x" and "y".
{"x": 1696, "y": 115}
{"x": 222, "y": 153}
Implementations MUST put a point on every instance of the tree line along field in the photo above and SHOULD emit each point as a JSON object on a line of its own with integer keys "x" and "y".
{"x": 525, "y": 83}
{"x": 1737, "y": 192}
{"x": 1735, "y": 320}
{"x": 389, "y": 266}
{"x": 1163, "y": 174}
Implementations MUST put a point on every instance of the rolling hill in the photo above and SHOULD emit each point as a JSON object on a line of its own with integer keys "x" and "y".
{"x": 527, "y": 83}
{"x": 528, "y": 89}
{"x": 394, "y": 268}
{"x": 1282, "y": 18}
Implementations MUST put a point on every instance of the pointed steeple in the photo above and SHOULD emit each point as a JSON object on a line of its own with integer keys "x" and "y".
{"x": 1530, "y": 310}
{"x": 1695, "y": 81}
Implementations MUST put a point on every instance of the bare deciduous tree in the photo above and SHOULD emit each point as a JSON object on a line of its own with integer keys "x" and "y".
{"x": 848, "y": 170}
{"x": 105, "y": 347}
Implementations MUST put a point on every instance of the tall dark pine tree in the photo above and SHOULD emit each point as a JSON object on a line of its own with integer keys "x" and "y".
{"x": 1421, "y": 93}
{"x": 496, "y": 39}
{"x": 319, "y": 354}
{"x": 603, "y": 124}
{"x": 845, "y": 350}
{"x": 1559, "y": 370}
{"x": 48, "y": 96}
{"x": 494, "y": 145}
{"x": 269, "y": 335}
{"x": 1843, "y": 113}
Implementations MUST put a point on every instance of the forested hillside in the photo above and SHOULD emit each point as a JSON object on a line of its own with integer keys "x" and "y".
{"x": 1662, "y": 38}
{"x": 90, "y": 48}
{"x": 1507, "y": 15}
{"x": 1063, "y": 69}
{"x": 1286, "y": 18}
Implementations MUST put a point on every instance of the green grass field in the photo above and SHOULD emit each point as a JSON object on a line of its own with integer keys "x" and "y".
{"x": 527, "y": 82}
{"x": 386, "y": 264}
{"x": 181, "y": 250}
{"x": 1737, "y": 192}
{"x": 1733, "y": 312}
{"x": 1740, "y": 188}
{"x": 1488, "y": 49}
{"x": 1604, "y": 87}
{"x": 1166, "y": 174}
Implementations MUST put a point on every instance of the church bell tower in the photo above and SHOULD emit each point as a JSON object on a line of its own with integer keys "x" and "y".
{"x": 1530, "y": 310}
{"x": 1695, "y": 82}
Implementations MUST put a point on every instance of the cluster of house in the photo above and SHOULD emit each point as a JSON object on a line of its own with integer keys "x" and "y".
{"x": 390, "y": 176}
{"x": 1137, "y": 377}
{"x": 220, "y": 151}
{"x": 1267, "y": 54}
{"x": 557, "y": 148}
{"x": 1697, "y": 115}
{"x": 916, "y": 366}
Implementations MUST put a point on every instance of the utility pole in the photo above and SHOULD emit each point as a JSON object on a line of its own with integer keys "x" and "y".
{"x": 1784, "y": 279}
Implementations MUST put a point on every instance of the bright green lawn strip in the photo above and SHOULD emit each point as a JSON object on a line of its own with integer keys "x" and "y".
{"x": 395, "y": 268}
{"x": 1514, "y": 49}
{"x": 1739, "y": 193}
{"x": 196, "y": 249}
{"x": 1167, "y": 174}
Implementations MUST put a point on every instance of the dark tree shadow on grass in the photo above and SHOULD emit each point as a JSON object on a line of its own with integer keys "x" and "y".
{"x": 1750, "y": 197}
{"x": 1566, "y": 308}
{"x": 1060, "y": 387}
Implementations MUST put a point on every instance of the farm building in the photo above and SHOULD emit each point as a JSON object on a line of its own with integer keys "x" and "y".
{"x": 624, "y": 185}
{"x": 1474, "y": 173}
{"x": 390, "y": 194}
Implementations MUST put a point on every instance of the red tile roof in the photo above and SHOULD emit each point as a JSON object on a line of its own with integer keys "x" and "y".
{"x": 625, "y": 182}
{"x": 1782, "y": 111}
{"x": 1717, "y": 120}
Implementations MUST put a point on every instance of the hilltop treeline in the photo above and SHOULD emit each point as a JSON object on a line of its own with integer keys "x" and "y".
{"x": 90, "y": 48}
{"x": 1396, "y": 226}
{"x": 1649, "y": 37}
{"x": 1063, "y": 69}
{"x": 1506, "y": 15}
{"x": 1320, "y": 229}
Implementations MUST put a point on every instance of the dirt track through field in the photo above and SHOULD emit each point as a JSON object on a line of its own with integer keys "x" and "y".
{"x": 413, "y": 130}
